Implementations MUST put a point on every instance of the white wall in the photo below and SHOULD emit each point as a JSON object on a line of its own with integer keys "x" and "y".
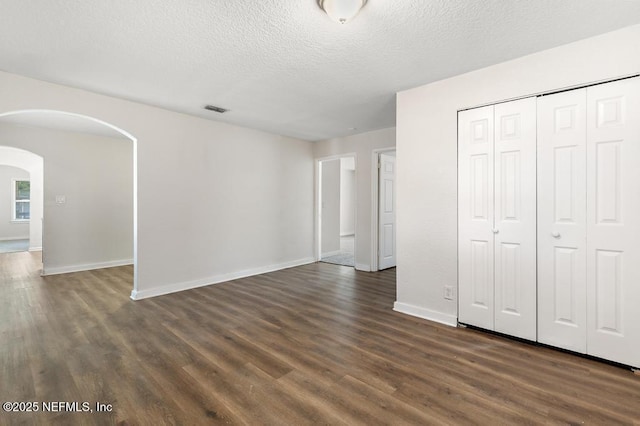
{"x": 427, "y": 153}
{"x": 10, "y": 230}
{"x": 347, "y": 196}
{"x": 330, "y": 215}
{"x": 363, "y": 145}
{"x": 94, "y": 227}
{"x": 33, "y": 164}
{"x": 248, "y": 206}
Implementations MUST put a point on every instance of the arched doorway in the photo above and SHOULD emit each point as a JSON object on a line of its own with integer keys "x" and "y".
{"x": 68, "y": 200}
{"x": 21, "y": 182}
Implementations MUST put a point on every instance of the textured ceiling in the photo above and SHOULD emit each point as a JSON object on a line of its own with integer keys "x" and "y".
{"x": 282, "y": 65}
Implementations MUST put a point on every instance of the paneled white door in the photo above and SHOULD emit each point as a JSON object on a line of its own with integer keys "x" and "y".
{"x": 497, "y": 217}
{"x": 475, "y": 217}
{"x": 613, "y": 221}
{"x": 562, "y": 287}
{"x": 515, "y": 218}
{"x": 387, "y": 212}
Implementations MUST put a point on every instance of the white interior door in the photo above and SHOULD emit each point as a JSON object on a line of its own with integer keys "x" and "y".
{"x": 475, "y": 217}
{"x": 515, "y": 218}
{"x": 562, "y": 296}
{"x": 613, "y": 221}
{"x": 387, "y": 212}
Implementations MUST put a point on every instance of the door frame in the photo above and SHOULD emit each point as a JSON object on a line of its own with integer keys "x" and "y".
{"x": 317, "y": 240}
{"x": 375, "y": 202}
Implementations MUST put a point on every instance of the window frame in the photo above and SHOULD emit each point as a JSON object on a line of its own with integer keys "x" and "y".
{"x": 14, "y": 201}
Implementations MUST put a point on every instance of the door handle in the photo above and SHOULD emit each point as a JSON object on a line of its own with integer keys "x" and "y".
{"x": 555, "y": 234}
{"x": 495, "y": 230}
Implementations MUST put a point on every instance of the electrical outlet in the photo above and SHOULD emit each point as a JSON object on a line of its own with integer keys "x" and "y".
{"x": 448, "y": 292}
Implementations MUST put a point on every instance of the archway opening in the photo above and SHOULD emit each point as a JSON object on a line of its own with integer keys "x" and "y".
{"x": 21, "y": 174}
{"x": 89, "y": 217}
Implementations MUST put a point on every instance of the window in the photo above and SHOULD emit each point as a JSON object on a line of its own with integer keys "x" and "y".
{"x": 21, "y": 200}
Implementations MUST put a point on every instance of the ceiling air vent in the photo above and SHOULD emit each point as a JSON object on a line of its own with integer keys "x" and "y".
{"x": 215, "y": 109}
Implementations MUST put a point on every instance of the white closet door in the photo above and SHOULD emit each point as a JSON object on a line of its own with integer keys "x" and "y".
{"x": 562, "y": 287}
{"x": 475, "y": 217}
{"x": 613, "y": 221}
{"x": 515, "y": 218}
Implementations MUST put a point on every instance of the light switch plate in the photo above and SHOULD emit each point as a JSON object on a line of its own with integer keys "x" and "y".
{"x": 448, "y": 292}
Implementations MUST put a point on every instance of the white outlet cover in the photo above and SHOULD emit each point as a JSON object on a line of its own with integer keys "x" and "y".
{"x": 61, "y": 199}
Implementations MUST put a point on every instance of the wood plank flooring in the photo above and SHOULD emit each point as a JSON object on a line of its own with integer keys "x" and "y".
{"x": 317, "y": 344}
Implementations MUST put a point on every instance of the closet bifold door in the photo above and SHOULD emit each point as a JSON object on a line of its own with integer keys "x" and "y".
{"x": 515, "y": 218}
{"x": 475, "y": 217}
{"x": 562, "y": 288}
{"x": 613, "y": 221}
{"x": 497, "y": 218}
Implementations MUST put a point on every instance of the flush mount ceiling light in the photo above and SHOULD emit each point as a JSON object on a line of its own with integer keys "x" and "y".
{"x": 341, "y": 11}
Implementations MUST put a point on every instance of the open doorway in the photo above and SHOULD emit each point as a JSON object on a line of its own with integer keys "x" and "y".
{"x": 337, "y": 213}
{"x": 14, "y": 222}
{"x": 21, "y": 190}
{"x": 88, "y": 217}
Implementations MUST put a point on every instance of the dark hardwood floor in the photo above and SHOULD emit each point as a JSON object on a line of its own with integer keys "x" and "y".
{"x": 317, "y": 344}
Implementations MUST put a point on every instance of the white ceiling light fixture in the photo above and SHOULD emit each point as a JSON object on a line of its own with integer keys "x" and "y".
{"x": 341, "y": 11}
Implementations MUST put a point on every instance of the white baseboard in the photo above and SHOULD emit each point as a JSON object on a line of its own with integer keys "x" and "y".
{"x": 330, "y": 253}
{"x": 35, "y": 248}
{"x": 363, "y": 267}
{"x": 428, "y": 314}
{"x": 187, "y": 285}
{"x": 85, "y": 267}
{"x": 13, "y": 238}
